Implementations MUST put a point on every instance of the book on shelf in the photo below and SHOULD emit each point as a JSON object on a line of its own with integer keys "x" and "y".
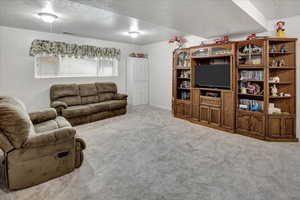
{"x": 252, "y": 105}
{"x": 252, "y": 75}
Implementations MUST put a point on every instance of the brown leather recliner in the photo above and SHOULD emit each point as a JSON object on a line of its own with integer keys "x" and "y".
{"x": 38, "y": 146}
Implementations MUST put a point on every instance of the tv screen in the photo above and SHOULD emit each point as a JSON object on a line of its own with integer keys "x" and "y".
{"x": 213, "y": 76}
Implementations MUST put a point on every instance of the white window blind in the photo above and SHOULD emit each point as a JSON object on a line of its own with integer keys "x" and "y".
{"x": 54, "y": 67}
{"x": 108, "y": 67}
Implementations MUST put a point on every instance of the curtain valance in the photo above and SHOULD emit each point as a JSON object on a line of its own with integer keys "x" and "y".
{"x": 45, "y": 47}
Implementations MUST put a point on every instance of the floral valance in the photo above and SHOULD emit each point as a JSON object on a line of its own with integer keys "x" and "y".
{"x": 45, "y": 47}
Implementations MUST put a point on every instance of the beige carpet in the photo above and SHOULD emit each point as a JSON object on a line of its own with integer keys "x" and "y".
{"x": 149, "y": 155}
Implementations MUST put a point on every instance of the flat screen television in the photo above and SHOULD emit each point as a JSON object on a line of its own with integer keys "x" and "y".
{"x": 213, "y": 76}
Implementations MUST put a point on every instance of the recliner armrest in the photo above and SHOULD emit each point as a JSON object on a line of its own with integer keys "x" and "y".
{"x": 43, "y": 115}
{"x": 55, "y": 136}
{"x": 59, "y": 106}
{"x": 120, "y": 97}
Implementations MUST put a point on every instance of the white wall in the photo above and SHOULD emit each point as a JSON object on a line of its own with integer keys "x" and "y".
{"x": 17, "y": 67}
{"x": 160, "y": 70}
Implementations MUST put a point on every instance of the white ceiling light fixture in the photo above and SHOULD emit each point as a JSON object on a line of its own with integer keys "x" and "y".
{"x": 47, "y": 17}
{"x": 134, "y": 34}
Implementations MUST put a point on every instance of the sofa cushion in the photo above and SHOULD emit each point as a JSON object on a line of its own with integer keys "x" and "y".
{"x": 76, "y": 111}
{"x": 106, "y": 96}
{"x": 106, "y": 87}
{"x": 67, "y": 93}
{"x": 71, "y": 100}
{"x": 117, "y": 104}
{"x": 90, "y": 99}
{"x": 15, "y": 123}
{"x": 86, "y": 90}
{"x": 99, "y": 107}
{"x": 63, "y": 90}
{"x": 88, "y": 93}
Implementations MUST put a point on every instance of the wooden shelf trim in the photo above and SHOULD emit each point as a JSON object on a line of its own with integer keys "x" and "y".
{"x": 212, "y": 56}
{"x": 251, "y": 80}
{"x": 279, "y": 97}
{"x": 282, "y": 68}
{"x": 253, "y": 95}
{"x": 281, "y": 83}
{"x": 291, "y": 52}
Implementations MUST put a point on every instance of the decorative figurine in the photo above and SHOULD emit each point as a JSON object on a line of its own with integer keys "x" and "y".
{"x": 246, "y": 50}
{"x": 281, "y": 94}
{"x": 273, "y": 49}
{"x": 282, "y": 63}
{"x": 256, "y": 49}
{"x": 274, "y": 91}
{"x": 273, "y": 110}
{"x": 256, "y": 107}
{"x": 222, "y": 40}
{"x": 280, "y": 30}
{"x": 244, "y": 90}
{"x": 253, "y": 88}
{"x": 178, "y": 40}
{"x": 251, "y": 36}
{"x": 276, "y": 79}
{"x": 284, "y": 49}
{"x": 274, "y": 63}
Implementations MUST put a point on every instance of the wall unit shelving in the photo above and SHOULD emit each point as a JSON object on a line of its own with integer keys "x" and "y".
{"x": 249, "y": 106}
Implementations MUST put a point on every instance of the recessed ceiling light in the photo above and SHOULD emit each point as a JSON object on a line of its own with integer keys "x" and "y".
{"x": 47, "y": 17}
{"x": 134, "y": 34}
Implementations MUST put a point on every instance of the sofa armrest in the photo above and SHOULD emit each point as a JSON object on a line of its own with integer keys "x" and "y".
{"x": 43, "y": 115}
{"x": 55, "y": 136}
{"x": 59, "y": 106}
{"x": 120, "y": 97}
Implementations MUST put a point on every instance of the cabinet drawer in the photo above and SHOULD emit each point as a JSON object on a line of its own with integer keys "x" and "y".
{"x": 210, "y": 101}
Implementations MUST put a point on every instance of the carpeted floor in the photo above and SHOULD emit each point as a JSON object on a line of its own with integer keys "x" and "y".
{"x": 149, "y": 155}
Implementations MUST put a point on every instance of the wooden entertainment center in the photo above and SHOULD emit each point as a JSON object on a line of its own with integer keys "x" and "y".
{"x": 252, "y": 94}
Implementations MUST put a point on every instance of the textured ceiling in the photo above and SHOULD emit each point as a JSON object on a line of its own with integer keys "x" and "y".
{"x": 81, "y": 20}
{"x": 205, "y": 18}
{"x": 277, "y": 8}
{"x": 156, "y": 19}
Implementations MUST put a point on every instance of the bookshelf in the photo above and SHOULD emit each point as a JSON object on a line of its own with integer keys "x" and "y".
{"x": 182, "y": 83}
{"x": 266, "y": 89}
{"x": 282, "y": 105}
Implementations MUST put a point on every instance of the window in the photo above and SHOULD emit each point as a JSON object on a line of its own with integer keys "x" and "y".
{"x": 108, "y": 67}
{"x": 53, "y": 67}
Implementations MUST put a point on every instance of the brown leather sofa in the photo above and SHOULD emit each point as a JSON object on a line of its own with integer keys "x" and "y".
{"x": 84, "y": 103}
{"x": 38, "y": 146}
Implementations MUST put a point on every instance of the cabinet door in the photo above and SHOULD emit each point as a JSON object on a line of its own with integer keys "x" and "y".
{"x": 274, "y": 126}
{"x": 204, "y": 114}
{"x": 195, "y": 104}
{"x": 281, "y": 126}
{"x": 215, "y": 116}
{"x": 187, "y": 110}
{"x": 243, "y": 121}
{"x": 228, "y": 110}
{"x": 258, "y": 124}
{"x": 288, "y": 127}
{"x": 179, "y": 109}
